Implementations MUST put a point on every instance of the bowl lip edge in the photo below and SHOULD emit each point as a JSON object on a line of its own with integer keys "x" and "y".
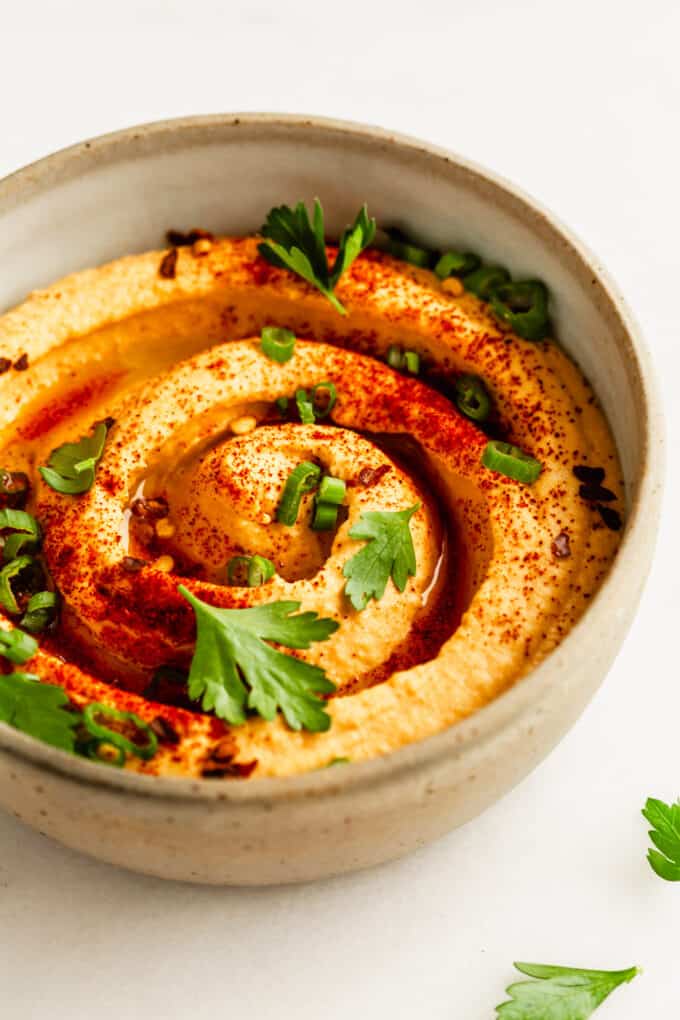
{"x": 635, "y": 551}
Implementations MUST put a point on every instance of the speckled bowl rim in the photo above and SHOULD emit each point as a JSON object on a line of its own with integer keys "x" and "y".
{"x": 490, "y": 720}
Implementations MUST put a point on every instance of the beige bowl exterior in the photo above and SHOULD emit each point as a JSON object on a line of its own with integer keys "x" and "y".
{"x": 119, "y": 193}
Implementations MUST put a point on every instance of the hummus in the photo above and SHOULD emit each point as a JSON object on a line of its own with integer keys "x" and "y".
{"x": 196, "y": 459}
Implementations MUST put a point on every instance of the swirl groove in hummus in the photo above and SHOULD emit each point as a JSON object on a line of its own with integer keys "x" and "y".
{"x": 176, "y": 362}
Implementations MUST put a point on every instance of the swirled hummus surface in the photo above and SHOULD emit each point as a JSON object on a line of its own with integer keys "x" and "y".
{"x": 197, "y": 456}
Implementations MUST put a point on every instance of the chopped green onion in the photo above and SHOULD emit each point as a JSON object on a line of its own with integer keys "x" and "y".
{"x": 305, "y": 407}
{"x": 303, "y": 478}
{"x": 337, "y": 761}
{"x": 482, "y": 281}
{"x": 401, "y": 248}
{"x": 95, "y": 719}
{"x": 457, "y": 263}
{"x": 250, "y": 571}
{"x": 403, "y": 361}
{"x": 472, "y": 397}
{"x": 282, "y": 406}
{"x": 9, "y": 571}
{"x": 105, "y": 752}
{"x": 40, "y": 611}
{"x": 325, "y": 516}
{"x": 323, "y": 409}
{"x": 511, "y": 461}
{"x": 25, "y": 532}
{"x": 278, "y": 344}
{"x": 17, "y": 646}
{"x": 331, "y": 490}
{"x": 522, "y": 305}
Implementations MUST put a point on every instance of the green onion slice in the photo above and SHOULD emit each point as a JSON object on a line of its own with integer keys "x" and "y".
{"x": 277, "y": 343}
{"x": 323, "y": 397}
{"x": 40, "y": 611}
{"x": 17, "y": 646}
{"x": 250, "y": 571}
{"x": 482, "y": 281}
{"x": 305, "y": 407}
{"x": 331, "y": 490}
{"x": 303, "y": 478}
{"x": 472, "y": 397}
{"x": 412, "y": 362}
{"x": 325, "y": 516}
{"x": 509, "y": 460}
{"x": 395, "y": 357}
{"x": 401, "y": 248}
{"x": 25, "y": 532}
{"x": 110, "y": 726}
{"x": 457, "y": 263}
{"x": 523, "y": 305}
{"x": 7, "y": 574}
{"x": 282, "y": 406}
{"x": 403, "y": 361}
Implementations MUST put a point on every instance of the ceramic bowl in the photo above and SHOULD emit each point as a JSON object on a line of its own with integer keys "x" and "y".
{"x": 118, "y": 194}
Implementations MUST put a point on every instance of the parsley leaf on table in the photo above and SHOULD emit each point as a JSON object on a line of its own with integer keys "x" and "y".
{"x": 295, "y": 243}
{"x": 389, "y": 552}
{"x": 70, "y": 468}
{"x": 234, "y": 669}
{"x": 665, "y": 835}
{"x": 37, "y": 709}
{"x": 560, "y": 993}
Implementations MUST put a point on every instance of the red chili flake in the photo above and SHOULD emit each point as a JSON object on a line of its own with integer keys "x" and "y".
{"x": 164, "y": 730}
{"x": 5, "y": 365}
{"x": 150, "y": 508}
{"x": 590, "y": 475}
{"x": 561, "y": 549}
{"x": 132, "y": 565}
{"x": 168, "y": 266}
{"x": 371, "y": 476}
{"x": 21, "y": 364}
{"x": 179, "y": 239}
{"x": 610, "y": 516}
{"x": 596, "y": 494}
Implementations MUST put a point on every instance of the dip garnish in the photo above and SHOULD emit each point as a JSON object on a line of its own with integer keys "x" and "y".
{"x": 522, "y": 305}
{"x": 303, "y": 478}
{"x": 665, "y": 835}
{"x": 483, "y": 280}
{"x": 38, "y": 709}
{"x": 70, "y": 468}
{"x": 7, "y": 574}
{"x": 234, "y": 670}
{"x": 25, "y": 532}
{"x": 328, "y": 499}
{"x": 297, "y": 244}
{"x": 509, "y": 460}
{"x": 40, "y": 611}
{"x": 399, "y": 246}
{"x": 457, "y": 263}
{"x": 17, "y": 646}
{"x": 472, "y": 398}
{"x": 560, "y": 993}
{"x": 120, "y": 729}
{"x": 305, "y": 407}
{"x": 250, "y": 571}
{"x": 403, "y": 361}
{"x": 389, "y": 553}
{"x": 278, "y": 343}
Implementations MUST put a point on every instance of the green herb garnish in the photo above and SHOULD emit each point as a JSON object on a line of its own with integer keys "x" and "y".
{"x": 17, "y": 646}
{"x": 40, "y": 611}
{"x": 665, "y": 835}
{"x": 302, "y": 479}
{"x": 37, "y": 709}
{"x": 10, "y": 571}
{"x": 234, "y": 669}
{"x": 277, "y": 343}
{"x": 510, "y": 461}
{"x": 122, "y": 730}
{"x": 560, "y": 993}
{"x": 295, "y": 243}
{"x": 250, "y": 571}
{"x": 403, "y": 361}
{"x": 388, "y": 553}
{"x": 472, "y": 397}
{"x": 71, "y": 467}
{"x": 25, "y": 533}
{"x": 522, "y": 305}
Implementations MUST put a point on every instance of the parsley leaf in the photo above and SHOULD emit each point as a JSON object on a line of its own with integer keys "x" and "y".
{"x": 70, "y": 468}
{"x": 298, "y": 244}
{"x": 665, "y": 835}
{"x": 389, "y": 552}
{"x": 560, "y": 993}
{"x": 37, "y": 709}
{"x": 233, "y": 669}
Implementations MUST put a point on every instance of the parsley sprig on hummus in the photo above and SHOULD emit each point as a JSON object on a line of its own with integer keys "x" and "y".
{"x": 389, "y": 553}
{"x": 70, "y": 468}
{"x": 234, "y": 669}
{"x": 296, "y": 243}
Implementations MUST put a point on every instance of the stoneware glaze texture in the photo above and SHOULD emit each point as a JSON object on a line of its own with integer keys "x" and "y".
{"x": 119, "y": 194}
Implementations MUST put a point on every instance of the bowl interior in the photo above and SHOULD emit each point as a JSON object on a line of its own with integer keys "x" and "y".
{"x": 120, "y": 194}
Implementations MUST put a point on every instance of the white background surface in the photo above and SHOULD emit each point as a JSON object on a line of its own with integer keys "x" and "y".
{"x": 579, "y": 103}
